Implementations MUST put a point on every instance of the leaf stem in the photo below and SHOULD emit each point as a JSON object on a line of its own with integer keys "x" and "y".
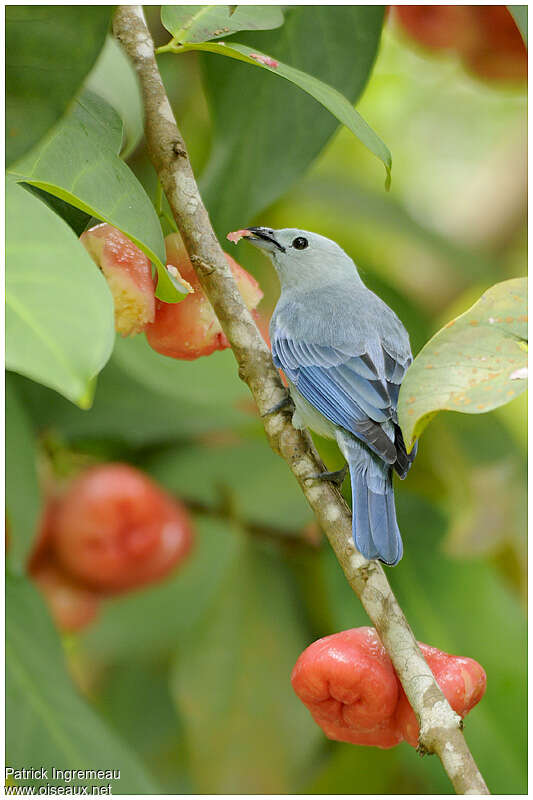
{"x": 161, "y": 213}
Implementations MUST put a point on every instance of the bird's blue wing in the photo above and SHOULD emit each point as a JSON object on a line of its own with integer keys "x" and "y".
{"x": 357, "y": 392}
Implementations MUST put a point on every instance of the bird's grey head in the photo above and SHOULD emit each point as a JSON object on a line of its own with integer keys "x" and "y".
{"x": 302, "y": 258}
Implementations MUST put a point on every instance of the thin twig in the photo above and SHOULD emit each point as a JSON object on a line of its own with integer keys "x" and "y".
{"x": 440, "y": 726}
{"x": 289, "y": 539}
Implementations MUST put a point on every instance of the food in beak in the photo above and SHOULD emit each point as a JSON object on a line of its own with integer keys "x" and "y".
{"x": 236, "y": 236}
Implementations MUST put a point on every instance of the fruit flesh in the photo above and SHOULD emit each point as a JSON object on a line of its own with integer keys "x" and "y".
{"x": 129, "y": 276}
{"x": 190, "y": 329}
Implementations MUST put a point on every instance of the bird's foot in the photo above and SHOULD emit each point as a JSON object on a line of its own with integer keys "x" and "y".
{"x": 337, "y": 477}
{"x": 285, "y": 402}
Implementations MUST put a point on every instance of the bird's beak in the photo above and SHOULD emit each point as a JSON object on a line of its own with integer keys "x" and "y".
{"x": 264, "y": 238}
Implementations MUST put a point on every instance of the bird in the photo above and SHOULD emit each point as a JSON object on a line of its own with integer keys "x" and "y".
{"x": 344, "y": 353}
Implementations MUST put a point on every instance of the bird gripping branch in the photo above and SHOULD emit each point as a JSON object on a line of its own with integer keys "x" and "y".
{"x": 344, "y": 353}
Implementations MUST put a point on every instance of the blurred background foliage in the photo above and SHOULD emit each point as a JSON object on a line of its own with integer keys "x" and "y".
{"x": 192, "y": 675}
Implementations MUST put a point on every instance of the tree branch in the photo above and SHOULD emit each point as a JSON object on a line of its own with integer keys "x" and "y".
{"x": 440, "y": 726}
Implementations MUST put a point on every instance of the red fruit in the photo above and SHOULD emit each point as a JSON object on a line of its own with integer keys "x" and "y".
{"x": 348, "y": 683}
{"x": 439, "y": 27}
{"x": 485, "y": 37}
{"x": 114, "y": 529}
{"x": 190, "y": 329}
{"x": 128, "y": 274}
{"x": 500, "y": 53}
{"x": 71, "y": 605}
{"x": 462, "y": 680}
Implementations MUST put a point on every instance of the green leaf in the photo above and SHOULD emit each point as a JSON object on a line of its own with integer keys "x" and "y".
{"x": 78, "y": 163}
{"x": 59, "y": 314}
{"x": 152, "y": 728}
{"x": 75, "y": 218}
{"x": 335, "y": 102}
{"x": 22, "y": 490}
{"x": 119, "y": 412}
{"x": 115, "y": 80}
{"x": 48, "y": 724}
{"x": 267, "y": 132}
{"x": 232, "y": 684}
{"x": 519, "y": 14}
{"x": 477, "y": 362}
{"x": 49, "y": 51}
{"x": 200, "y": 23}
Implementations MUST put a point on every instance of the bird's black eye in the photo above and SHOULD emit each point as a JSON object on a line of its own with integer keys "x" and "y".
{"x": 300, "y": 243}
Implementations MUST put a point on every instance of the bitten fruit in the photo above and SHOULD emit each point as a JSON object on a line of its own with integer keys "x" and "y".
{"x": 114, "y": 529}
{"x": 349, "y": 685}
{"x": 129, "y": 276}
{"x": 190, "y": 329}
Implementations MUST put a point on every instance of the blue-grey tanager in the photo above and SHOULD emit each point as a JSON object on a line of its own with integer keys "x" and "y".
{"x": 344, "y": 353}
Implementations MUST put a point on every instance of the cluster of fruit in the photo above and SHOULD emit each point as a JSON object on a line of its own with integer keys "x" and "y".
{"x": 112, "y": 529}
{"x": 185, "y": 330}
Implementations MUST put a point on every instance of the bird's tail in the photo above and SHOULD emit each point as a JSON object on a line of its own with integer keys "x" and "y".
{"x": 375, "y": 529}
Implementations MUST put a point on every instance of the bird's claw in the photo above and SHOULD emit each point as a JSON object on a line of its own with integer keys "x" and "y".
{"x": 285, "y": 402}
{"x": 337, "y": 477}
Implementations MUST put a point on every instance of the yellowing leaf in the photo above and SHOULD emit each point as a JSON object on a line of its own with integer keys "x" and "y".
{"x": 474, "y": 364}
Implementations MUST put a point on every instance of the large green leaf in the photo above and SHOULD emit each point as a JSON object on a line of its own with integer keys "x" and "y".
{"x": 477, "y": 362}
{"x": 22, "y": 489}
{"x": 267, "y": 132}
{"x": 115, "y": 79}
{"x": 119, "y": 412}
{"x": 151, "y": 728}
{"x": 232, "y": 683}
{"x": 335, "y": 102}
{"x": 48, "y": 724}
{"x": 49, "y": 51}
{"x": 200, "y": 23}
{"x": 78, "y": 162}
{"x": 59, "y": 314}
